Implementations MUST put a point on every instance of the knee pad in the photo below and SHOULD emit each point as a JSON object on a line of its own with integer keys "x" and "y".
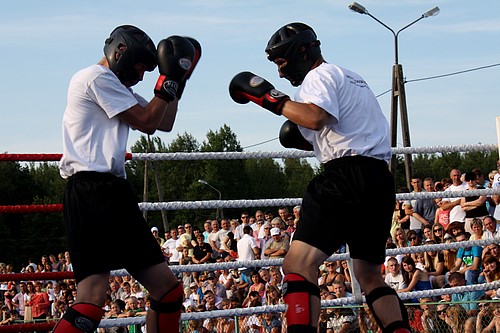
{"x": 382, "y": 292}
{"x": 168, "y": 310}
{"x": 81, "y": 317}
{"x": 296, "y": 293}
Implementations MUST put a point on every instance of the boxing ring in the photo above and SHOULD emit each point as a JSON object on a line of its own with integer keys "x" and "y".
{"x": 357, "y": 297}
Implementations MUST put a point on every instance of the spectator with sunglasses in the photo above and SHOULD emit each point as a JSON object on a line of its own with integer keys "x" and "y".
{"x": 238, "y": 232}
{"x": 265, "y": 240}
{"x": 431, "y": 321}
{"x": 485, "y": 314}
{"x": 437, "y": 233}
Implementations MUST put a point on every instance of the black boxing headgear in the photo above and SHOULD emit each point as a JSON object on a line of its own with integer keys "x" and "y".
{"x": 127, "y": 46}
{"x": 298, "y": 44}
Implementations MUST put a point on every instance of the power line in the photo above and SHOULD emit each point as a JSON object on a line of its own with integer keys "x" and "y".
{"x": 443, "y": 75}
{"x": 408, "y": 81}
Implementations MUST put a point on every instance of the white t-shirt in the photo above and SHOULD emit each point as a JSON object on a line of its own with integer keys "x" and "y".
{"x": 496, "y": 185}
{"x": 94, "y": 138}
{"x": 170, "y": 246}
{"x": 357, "y": 125}
{"x": 456, "y": 213}
{"x": 395, "y": 282}
{"x": 245, "y": 246}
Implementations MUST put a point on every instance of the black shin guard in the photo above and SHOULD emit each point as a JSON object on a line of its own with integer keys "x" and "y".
{"x": 382, "y": 292}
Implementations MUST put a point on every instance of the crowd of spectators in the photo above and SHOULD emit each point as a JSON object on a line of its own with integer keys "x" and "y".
{"x": 261, "y": 235}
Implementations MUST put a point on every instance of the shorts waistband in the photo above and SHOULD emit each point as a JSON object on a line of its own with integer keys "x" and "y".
{"x": 358, "y": 159}
{"x": 92, "y": 175}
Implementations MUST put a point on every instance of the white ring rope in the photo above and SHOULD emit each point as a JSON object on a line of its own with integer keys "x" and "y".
{"x": 178, "y": 205}
{"x": 298, "y": 153}
{"x": 336, "y": 257}
{"x": 282, "y": 307}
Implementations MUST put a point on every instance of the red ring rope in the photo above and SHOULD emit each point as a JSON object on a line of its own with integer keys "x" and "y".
{"x": 51, "y": 208}
{"x": 36, "y": 276}
{"x": 28, "y": 327}
{"x": 40, "y": 157}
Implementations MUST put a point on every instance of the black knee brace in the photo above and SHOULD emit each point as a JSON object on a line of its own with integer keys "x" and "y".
{"x": 81, "y": 317}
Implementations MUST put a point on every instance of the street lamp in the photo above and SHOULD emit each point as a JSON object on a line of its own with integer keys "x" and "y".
{"x": 201, "y": 181}
{"x": 398, "y": 92}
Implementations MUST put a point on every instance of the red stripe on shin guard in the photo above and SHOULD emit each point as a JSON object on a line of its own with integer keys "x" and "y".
{"x": 168, "y": 310}
{"x": 81, "y": 317}
{"x": 298, "y": 310}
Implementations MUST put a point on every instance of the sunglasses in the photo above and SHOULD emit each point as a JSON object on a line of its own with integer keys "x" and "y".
{"x": 436, "y": 230}
{"x": 412, "y": 238}
{"x": 267, "y": 228}
{"x": 441, "y": 312}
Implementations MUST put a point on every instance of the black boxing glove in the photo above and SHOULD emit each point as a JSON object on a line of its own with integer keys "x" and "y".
{"x": 246, "y": 87}
{"x": 175, "y": 60}
{"x": 290, "y": 137}
{"x": 197, "y": 56}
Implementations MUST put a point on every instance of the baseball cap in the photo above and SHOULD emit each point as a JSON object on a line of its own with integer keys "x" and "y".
{"x": 193, "y": 285}
{"x": 275, "y": 231}
{"x": 154, "y": 229}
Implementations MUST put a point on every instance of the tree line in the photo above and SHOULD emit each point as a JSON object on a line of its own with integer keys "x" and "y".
{"x": 32, "y": 235}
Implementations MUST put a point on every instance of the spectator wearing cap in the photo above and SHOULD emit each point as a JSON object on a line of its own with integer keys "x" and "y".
{"x": 154, "y": 231}
{"x": 186, "y": 238}
{"x": 195, "y": 295}
{"x": 279, "y": 247}
{"x": 213, "y": 284}
{"x": 474, "y": 206}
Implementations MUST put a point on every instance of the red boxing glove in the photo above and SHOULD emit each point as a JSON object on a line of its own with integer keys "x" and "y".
{"x": 246, "y": 87}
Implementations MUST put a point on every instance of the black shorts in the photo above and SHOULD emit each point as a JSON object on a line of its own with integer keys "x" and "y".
{"x": 351, "y": 202}
{"x": 105, "y": 227}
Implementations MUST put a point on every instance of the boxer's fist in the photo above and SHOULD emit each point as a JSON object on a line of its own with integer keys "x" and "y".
{"x": 175, "y": 60}
{"x": 290, "y": 137}
{"x": 246, "y": 87}
{"x": 197, "y": 56}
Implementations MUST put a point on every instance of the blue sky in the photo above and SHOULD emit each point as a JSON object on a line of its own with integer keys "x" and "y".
{"x": 44, "y": 43}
